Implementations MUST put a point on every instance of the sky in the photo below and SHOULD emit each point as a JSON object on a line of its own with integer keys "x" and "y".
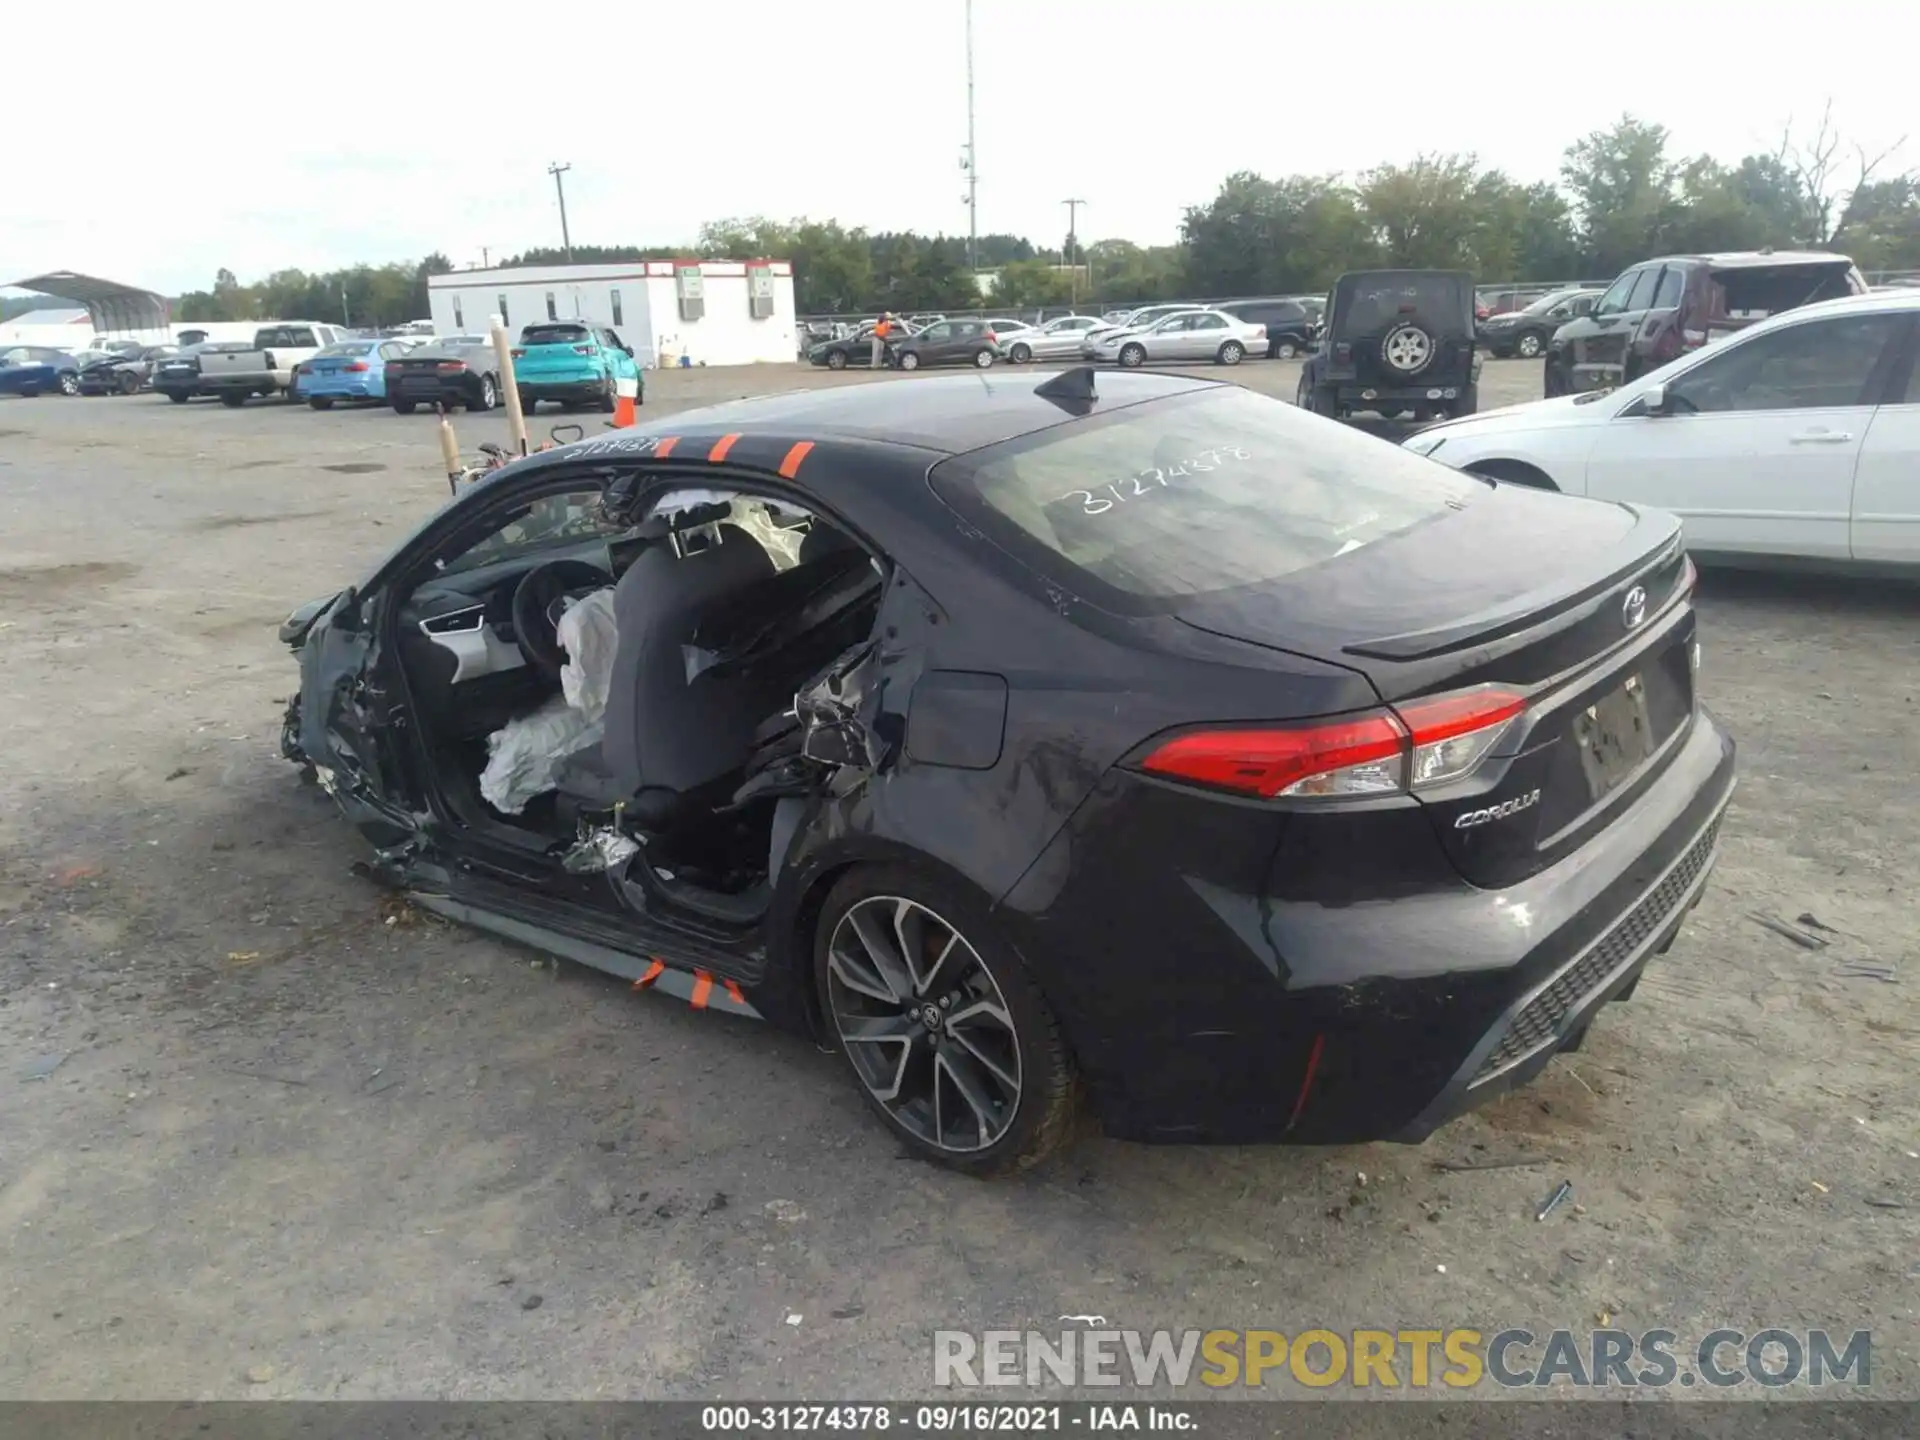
{"x": 250, "y": 137}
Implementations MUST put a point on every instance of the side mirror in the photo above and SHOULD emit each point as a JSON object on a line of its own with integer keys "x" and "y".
{"x": 1653, "y": 400}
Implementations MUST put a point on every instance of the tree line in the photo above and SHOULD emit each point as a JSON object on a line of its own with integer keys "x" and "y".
{"x": 1622, "y": 195}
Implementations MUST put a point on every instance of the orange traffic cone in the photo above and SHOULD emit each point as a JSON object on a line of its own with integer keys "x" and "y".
{"x": 626, "y": 393}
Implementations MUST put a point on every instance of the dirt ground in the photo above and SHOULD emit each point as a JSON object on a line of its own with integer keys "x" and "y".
{"x": 304, "y": 1143}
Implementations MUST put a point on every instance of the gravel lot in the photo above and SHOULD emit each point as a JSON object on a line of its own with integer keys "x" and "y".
{"x": 306, "y": 1143}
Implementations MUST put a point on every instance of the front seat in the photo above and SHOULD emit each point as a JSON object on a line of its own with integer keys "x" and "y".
{"x": 668, "y": 737}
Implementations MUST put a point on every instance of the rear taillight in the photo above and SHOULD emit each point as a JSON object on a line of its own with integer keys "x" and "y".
{"x": 583, "y": 349}
{"x": 356, "y": 367}
{"x": 992, "y": 338}
{"x": 451, "y": 367}
{"x": 1343, "y": 351}
{"x": 518, "y": 352}
{"x": 1420, "y": 745}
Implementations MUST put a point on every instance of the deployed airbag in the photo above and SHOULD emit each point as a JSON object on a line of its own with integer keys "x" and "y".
{"x": 525, "y": 756}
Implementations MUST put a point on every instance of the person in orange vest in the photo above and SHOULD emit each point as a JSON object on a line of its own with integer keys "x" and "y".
{"x": 882, "y": 328}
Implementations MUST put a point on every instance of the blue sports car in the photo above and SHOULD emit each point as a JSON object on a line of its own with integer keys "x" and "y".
{"x": 349, "y": 370}
{"x": 30, "y": 369}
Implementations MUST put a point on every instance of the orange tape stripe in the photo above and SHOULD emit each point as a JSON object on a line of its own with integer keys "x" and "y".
{"x": 702, "y": 987}
{"x": 665, "y": 447}
{"x": 654, "y": 972}
{"x": 790, "y": 466}
{"x": 733, "y": 993}
{"x": 720, "y": 448}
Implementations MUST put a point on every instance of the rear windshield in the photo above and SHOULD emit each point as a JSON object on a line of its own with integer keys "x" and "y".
{"x": 1753, "y": 292}
{"x": 348, "y": 347}
{"x": 1372, "y": 302}
{"x": 554, "y": 334}
{"x": 1142, "y": 508}
{"x": 290, "y": 336}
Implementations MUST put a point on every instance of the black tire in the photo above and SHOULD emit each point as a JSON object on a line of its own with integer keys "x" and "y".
{"x": 234, "y": 398}
{"x": 320, "y": 402}
{"x": 177, "y": 397}
{"x": 610, "y": 398}
{"x": 836, "y": 360}
{"x": 1285, "y": 348}
{"x": 69, "y": 384}
{"x": 909, "y": 359}
{"x": 488, "y": 397}
{"x": 1231, "y": 353}
{"x": 129, "y": 383}
{"x": 1529, "y": 345}
{"x": 1046, "y": 1089}
{"x": 1133, "y": 356}
{"x": 1468, "y": 403}
{"x": 983, "y": 359}
{"x": 403, "y": 407}
{"x": 527, "y": 403}
{"x": 1020, "y": 354}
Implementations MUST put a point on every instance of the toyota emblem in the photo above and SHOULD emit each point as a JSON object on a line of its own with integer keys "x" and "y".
{"x": 1633, "y": 609}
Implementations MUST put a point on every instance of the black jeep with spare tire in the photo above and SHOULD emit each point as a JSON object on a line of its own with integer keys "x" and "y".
{"x": 1395, "y": 342}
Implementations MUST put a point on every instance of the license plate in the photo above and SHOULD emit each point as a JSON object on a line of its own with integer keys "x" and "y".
{"x": 1614, "y": 735}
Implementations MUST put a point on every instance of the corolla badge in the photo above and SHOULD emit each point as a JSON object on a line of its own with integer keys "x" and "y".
{"x": 1633, "y": 609}
{"x": 1502, "y": 811}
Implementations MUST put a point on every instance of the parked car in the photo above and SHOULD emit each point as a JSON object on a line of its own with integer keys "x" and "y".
{"x": 1054, "y": 340}
{"x": 1395, "y": 341}
{"x": 1663, "y": 308}
{"x": 1288, "y": 325}
{"x": 178, "y": 376}
{"x": 948, "y": 342}
{"x": 856, "y": 346}
{"x": 1183, "y": 335}
{"x": 1526, "y": 332}
{"x": 458, "y": 370}
{"x": 125, "y": 372}
{"x": 1135, "y": 319}
{"x": 34, "y": 369}
{"x": 1506, "y": 302}
{"x": 1798, "y": 439}
{"x": 268, "y": 365}
{"x": 349, "y": 370}
{"x": 572, "y": 362}
{"x": 831, "y": 822}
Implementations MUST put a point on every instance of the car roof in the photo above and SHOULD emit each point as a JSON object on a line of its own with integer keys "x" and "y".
{"x": 1755, "y": 259}
{"x": 943, "y": 414}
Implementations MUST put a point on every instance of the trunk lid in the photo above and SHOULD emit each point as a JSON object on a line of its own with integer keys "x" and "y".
{"x": 1580, "y": 607}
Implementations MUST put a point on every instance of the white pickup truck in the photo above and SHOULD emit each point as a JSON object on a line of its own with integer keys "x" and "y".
{"x": 268, "y": 367}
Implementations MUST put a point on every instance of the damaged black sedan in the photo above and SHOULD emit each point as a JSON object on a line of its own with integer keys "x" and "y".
{"x": 1124, "y": 735}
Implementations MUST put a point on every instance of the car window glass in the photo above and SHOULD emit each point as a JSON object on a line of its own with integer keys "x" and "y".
{"x": 1821, "y": 364}
{"x": 1174, "y": 323}
{"x": 1641, "y": 296}
{"x": 560, "y": 334}
{"x": 934, "y": 334}
{"x": 1204, "y": 493}
{"x": 1208, "y": 322}
{"x": 1672, "y": 281}
{"x": 572, "y": 515}
{"x": 1615, "y": 298}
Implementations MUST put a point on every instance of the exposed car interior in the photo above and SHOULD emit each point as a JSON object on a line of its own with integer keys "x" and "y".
{"x": 711, "y": 610}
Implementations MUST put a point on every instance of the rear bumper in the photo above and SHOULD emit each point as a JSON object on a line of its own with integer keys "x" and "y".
{"x": 319, "y": 387}
{"x": 1342, "y": 988}
{"x": 570, "y": 391}
{"x": 256, "y": 382}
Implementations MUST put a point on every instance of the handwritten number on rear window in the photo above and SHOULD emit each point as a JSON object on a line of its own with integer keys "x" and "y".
{"x": 1118, "y": 492}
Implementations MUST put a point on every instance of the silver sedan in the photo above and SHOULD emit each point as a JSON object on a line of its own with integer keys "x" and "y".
{"x": 1052, "y": 340}
{"x": 1190, "y": 335}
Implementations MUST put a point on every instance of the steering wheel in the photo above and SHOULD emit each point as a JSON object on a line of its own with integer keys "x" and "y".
{"x": 541, "y": 598}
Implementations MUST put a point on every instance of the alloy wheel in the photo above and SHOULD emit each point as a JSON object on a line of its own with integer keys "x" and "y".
{"x": 1407, "y": 349}
{"x": 924, "y": 1024}
{"x": 1529, "y": 346}
{"x": 69, "y": 384}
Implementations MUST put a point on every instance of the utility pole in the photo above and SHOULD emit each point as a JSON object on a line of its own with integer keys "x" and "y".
{"x": 345, "y": 318}
{"x": 973, "y": 174}
{"x": 1073, "y": 249}
{"x": 556, "y": 170}
{"x": 484, "y": 264}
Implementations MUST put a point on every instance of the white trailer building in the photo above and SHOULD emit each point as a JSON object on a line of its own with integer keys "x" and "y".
{"x": 713, "y": 312}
